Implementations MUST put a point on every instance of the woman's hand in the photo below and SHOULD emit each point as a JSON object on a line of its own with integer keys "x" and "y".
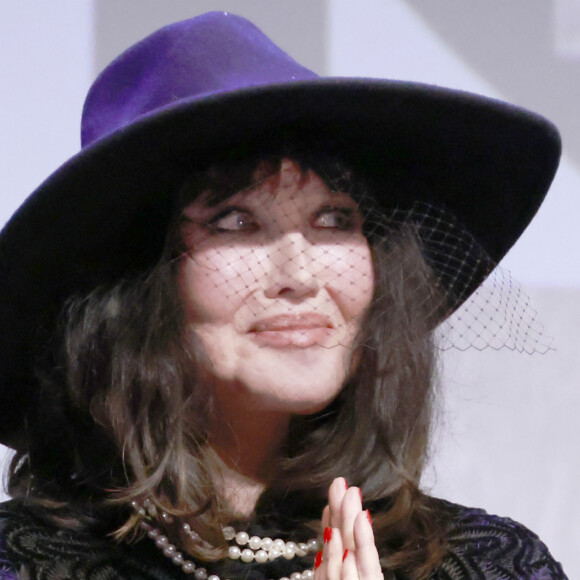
{"x": 349, "y": 551}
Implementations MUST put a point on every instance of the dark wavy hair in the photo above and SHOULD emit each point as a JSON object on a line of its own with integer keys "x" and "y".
{"x": 124, "y": 409}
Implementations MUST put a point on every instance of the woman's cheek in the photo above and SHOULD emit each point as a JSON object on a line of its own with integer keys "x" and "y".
{"x": 208, "y": 292}
{"x": 351, "y": 278}
{"x": 229, "y": 271}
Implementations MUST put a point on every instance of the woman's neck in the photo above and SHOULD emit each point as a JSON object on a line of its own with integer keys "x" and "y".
{"x": 246, "y": 443}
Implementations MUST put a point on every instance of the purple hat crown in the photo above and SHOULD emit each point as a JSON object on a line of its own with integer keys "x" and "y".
{"x": 213, "y": 53}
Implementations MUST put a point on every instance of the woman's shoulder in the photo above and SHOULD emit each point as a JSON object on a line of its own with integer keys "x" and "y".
{"x": 7, "y": 568}
{"x": 482, "y": 545}
{"x": 34, "y": 548}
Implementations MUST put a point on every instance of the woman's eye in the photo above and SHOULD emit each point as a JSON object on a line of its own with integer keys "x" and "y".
{"x": 232, "y": 220}
{"x": 338, "y": 218}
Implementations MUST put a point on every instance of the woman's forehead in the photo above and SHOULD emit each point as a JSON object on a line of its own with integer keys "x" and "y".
{"x": 288, "y": 182}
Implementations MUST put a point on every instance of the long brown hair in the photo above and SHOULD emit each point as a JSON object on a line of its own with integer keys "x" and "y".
{"x": 124, "y": 412}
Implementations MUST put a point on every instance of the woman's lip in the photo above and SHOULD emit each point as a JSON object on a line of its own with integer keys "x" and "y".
{"x": 291, "y": 322}
{"x": 292, "y": 330}
{"x": 292, "y": 337}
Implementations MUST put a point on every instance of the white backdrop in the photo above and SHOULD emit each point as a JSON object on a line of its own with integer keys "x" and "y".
{"x": 509, "y": 432}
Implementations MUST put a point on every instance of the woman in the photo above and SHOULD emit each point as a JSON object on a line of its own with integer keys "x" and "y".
{"x": 236, "y": 284}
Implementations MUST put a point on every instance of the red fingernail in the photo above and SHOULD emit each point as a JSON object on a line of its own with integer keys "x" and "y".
{"x": 345, "y": 555}
{"x": 317, "y": 560}
{"x": 360, "y": 491}
{"x": 327, "y": 536}
{"x": 345, "y": 484}
{"x": 369, "y": 518}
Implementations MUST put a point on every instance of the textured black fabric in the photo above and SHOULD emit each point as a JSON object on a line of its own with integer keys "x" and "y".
{"x": 494, "y": 548}
{"x": 481, "y": 547}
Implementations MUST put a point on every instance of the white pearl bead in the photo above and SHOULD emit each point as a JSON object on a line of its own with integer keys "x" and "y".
{"x": 247, "y": 555}
{"x": 279, "y": 544}
{"x": 161, "y": 542}
{"x": 301, "y": 550}
{"x": 201, "y": 574}
{"x": 170, "y": 550}
{"x": 274, "y": 553}
{"x": 296, "y": 576}
{"x": 288, "y": 552}
{"x": 267, "y": 544}
{"x": 229, "y": 533}
{"x": 261, "y": 556}
{"x": 255, "y": 543}
{"x": 307, "y": 574}
{"x": 313, "y": 544}
{"x": 178, "y": 559}
{"x": 284, "y": 578}
{"x": 213, "y": 577}
{"x": 186, "y": 528}
{"x": 234, "y": 552}
{"x": 242, "y": 538}
{"x": 188, "y": 567}
{"x": 153, "y": 533}
{"x": 291, "y": 548}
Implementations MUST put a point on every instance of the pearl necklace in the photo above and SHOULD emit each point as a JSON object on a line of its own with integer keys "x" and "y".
{"x": 264, "y": 549}
{"x": 259, "y": 549}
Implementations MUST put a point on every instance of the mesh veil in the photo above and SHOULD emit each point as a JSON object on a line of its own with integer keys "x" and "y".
{"x": 497, "y": 315}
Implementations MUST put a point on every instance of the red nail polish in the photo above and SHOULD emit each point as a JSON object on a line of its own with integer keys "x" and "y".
{"x": 345, "y": 483}
{"x": 317, "y": 560}
{"x": 369, "y": 518}
{"x": 327, "y": 536}
{"x": 360, "y": 491}
{"x": 345, "y": 555}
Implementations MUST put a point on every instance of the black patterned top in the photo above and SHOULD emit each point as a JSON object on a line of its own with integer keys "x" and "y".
{"x": 482, "y": 546}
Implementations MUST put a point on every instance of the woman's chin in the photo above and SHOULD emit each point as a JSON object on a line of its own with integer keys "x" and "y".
{"x": 301, "y": 393}
{"x": 302, "y": 407}
{"x": 311, "y": 408}
{"x": 285, "y": 397}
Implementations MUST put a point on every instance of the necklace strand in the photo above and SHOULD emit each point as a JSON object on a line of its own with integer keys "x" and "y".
{"x": 259, "y": 549}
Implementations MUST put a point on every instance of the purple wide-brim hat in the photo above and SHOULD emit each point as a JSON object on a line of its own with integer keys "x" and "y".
{"x": 179, "y": 98}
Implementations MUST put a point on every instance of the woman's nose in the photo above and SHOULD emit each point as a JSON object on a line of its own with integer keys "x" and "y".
{"x": 291, "y": 268}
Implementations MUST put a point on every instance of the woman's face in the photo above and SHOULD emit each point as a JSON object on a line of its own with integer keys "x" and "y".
{"x": 275, "y": 283}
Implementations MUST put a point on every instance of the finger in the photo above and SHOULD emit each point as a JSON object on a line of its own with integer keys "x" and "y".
{"x": 332, "y": 553}
{"x": 319, "y": 567}
{"x": 367, "y": 557}
{"x": 321, "y": 560}
{"x": 336, "y": 494}
{"x": 326, "y": 517}
{"x": 349, "y": 570}
{"x": 351, "y": 507}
